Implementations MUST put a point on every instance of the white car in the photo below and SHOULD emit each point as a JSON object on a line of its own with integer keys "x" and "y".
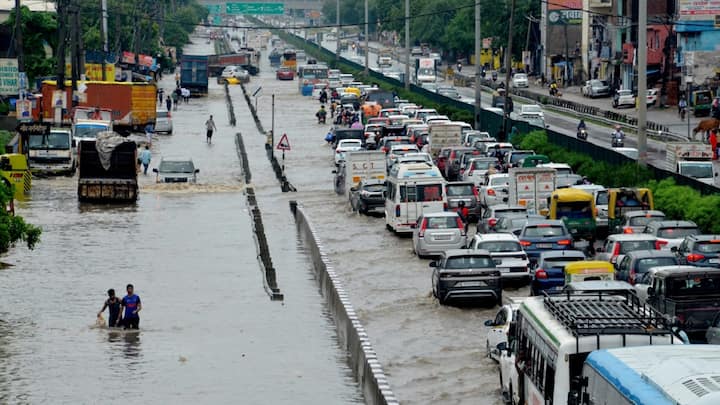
{"x": 532, "y": 111}
{"x": 412, "y": 157}
{"x": 494, "y": 190}
{"x": 477, "y": 168}
{"x": 346, "y": 78}
{"x": 500, "y": 326}
{"x": 236, "y": 72}
{"x": 508, "y": 254}
{"x": 652, "y": 97}
{"x": 344, "y": 146}
{"x": 400, "y": 150}
{"x": 436, "y": 119}
{"x": 560, "y": 168}
{"x": 624, "y": 98}
{"x": 163, "y": 122}
{"x": 520, "y": 80}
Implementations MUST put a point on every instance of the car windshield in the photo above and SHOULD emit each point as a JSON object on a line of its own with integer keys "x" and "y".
{"x": 531, "y": 109}
{"x": 482, "y": 164}
{"x": 89, "y": 131}
{"x": 574, "y": 210}
{"x": 643, "y": 265}
{"x": 561, "y": 262}
{"x": 421, "y": 192}
{"x": 55, "y": 140}
{"x": 644, "y": 220}
{"x": 441, "y": 222}
{"x": 708, "y": 247}
{"x": 546, "y": 231}
{"x": 458, "y": 190}
{"x": 496, "y": 181}
{"x": 163, "y": 114}
{"x": 631, "y": 246}
{"x": 374, "y": 188}
{"x": 694, "y": 286}
{"x": 469, "y": 262}
{"x": 676, "y": 233}
{"x": 698, "y": 170}
{"x": 500, "y": 246}
{"x": 516, "y": 157}
{"x": 176, "y": 166}
{"x": 520, "y": 76}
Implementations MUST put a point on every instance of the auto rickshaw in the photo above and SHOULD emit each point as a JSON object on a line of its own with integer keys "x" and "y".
{"x": 587, "y": 270}
{"x": 534, "y": 160}
{"x": 577, "y": 209}
{"x": 15, "y": 173}
{"x": 353, "y": 90}
{"x": 624, "y": 200}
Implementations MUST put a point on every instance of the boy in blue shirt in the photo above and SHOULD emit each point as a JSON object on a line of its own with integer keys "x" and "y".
{"x": 132, "y": 305}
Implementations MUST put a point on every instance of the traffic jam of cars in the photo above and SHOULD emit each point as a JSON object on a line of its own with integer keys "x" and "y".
{"x": 604, "y": 268}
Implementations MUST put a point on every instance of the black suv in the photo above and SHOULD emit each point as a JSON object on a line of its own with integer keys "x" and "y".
{"x": 699, "y": 250}
{"x": 466, "y": 275}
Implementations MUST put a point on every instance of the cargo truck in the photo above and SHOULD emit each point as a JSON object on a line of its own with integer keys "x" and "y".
{"x": 216, "y": 63}
{"x": 108, "y": 171}
{"x": 425, "y": 71}
{"x": 691, "y": 159}
{"x": 194, "y": 74}
{"x": 443, "y": 135}
{"x": 52, "y": 153}
{"x": 131, "y": 106}
{"x": 531, "y": 187}
{"x": 364, "y": 165}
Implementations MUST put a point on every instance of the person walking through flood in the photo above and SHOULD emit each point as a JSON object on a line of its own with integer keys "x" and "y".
{"x": 113, "y": 306}
{"x": 133, "y": 306}
{"x": 210, "y": 126}
{"x": 145, "y": 158}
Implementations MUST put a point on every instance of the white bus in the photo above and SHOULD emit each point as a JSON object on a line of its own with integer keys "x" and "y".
{"x": 555, "y": 334}
{"x": 412, "y": 189}
{"x": 650, "y": 375}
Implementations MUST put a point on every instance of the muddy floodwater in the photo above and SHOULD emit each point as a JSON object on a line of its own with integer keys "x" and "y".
{"x": 209, "y": 333}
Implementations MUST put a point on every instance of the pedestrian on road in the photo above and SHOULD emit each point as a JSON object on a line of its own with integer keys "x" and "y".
{"x": 145, "y": 158}
{"x": 464, "y": 213}
{"x": 149, "y": 130}
{"x": 210, "y": 126}
{"x": 713, "y": 143}
{"x": 177, "y": 79}
{"x": 160, "y": 95}
{"x": 113, "y": 306}
{"x": 185, "y": 94}
{"x": 176, "y": 98}
{"x": 132, "y": 305}
{"x": 168, "y": 103}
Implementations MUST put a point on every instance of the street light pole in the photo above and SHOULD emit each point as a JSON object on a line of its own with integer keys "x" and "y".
{"x": 508, "y": 69}
{"x": 337, "y": 30}
{"x": 478, "y": 68}
{"x": 642, "y": 82}
{"x": 407, "y": 44}
{"x": 367, "y": 41}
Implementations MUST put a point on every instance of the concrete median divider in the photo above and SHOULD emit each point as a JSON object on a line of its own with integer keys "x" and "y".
{"x": 351, "y": 334}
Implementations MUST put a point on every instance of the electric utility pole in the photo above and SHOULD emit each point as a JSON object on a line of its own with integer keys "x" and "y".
{"x": 18, "y": 38}
{"x": 508, "y": 70}
{"x": 478, "y": 69}
{"x": 104, "y": 35}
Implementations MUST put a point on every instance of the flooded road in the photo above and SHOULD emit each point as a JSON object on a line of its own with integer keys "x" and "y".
{"x": 209, "y": 333}
{"x": 431, "y": 353}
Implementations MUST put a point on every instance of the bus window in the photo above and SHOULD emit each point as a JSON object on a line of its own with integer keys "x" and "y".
{"x": 421, "y": 193}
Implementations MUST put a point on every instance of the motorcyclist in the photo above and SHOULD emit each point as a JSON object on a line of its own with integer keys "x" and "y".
{"x": 581, "y": 126}
{"x": 618, "y": 135}
{"x": 323, "y": 96}
{"x": 553, "y": 88}
{"x": 682, "y": 105}
{"x": 459, "y": 66}
{"x": 321, "y": 114}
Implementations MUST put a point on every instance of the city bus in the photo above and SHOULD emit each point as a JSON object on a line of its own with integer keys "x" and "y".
{"x": 650, "y": 375}
{"x": 289, "y": 59}
{"x": 553, "y": 336}
{"x": 411, "y": 190}
{"x": 312, "y": 75}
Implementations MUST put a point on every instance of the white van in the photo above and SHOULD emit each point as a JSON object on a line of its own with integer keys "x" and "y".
{"x": 412, "y": 189}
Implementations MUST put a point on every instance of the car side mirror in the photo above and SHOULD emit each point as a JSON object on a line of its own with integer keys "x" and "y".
{"x": 489, "y": 322}
{"x": 74, "y": 145}
{"x": 334, "y": 172}
{"x": 433, "y": 264}
{"x": 502, "y": 346}
{"x": 650, "y": 291}
{"x": 674, "y": 249}
{"x": 155, "y": 170}
{"x": 197, "y": 171}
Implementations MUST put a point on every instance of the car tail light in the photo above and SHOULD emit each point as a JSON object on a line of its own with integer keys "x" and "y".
{"x": 461, "y": 226}
{"x": 337, "y": 150}
{"x": 492, "y": 222}
{"x": 564, "y": 242}
{"x": 445, "y": 206}
{"x": 491, "y": 192}
{"x": 695, "y": 257}
{"x": 616, "y": 250}
{"x": 397, "y": 210}
{"x": 541, "y": 274}
{"x": 660, "y": 243}
{"x": 475, "y": 190}
{"x": 627, "y": 229}
{"x": 525, "y": 243}
{"x": 423, "y": 227}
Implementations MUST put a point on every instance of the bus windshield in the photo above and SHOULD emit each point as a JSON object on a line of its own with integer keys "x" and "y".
{"x": 89, "y": 131}
{"x": 314, "y": 72}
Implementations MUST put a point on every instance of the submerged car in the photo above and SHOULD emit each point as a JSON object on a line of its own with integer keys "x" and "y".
{"x": 367, "y": 195}
{"x": 163, "y": 122}
{"x": 466, "y": 275}
{"x": 174, "y": 170}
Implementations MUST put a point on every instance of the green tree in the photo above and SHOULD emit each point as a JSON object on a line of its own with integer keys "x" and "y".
{"x": 39, "y": 30}
{"x": 13, "y": 228}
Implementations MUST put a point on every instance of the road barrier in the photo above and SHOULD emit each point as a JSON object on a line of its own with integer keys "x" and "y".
{"x": 261, "y": 244}
{"x": 285, "y": 185}
{"x": 351, "y": 334}
{"x": 230, "y": 106}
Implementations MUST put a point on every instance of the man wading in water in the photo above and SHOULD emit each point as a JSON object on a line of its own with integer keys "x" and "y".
{"x": 113, "y": 306}
{"x": 132, "y": 305}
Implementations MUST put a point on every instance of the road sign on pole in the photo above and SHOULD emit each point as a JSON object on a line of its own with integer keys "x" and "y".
{"x": 284, "y": 143}
{"x": 255, "y": 8}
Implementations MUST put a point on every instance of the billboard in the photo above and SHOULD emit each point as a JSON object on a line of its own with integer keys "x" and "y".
{"x": 698, "y": 9}
{"x": 8, "y": 76}
{"x": 254, "y": 8}
{"x": 562, "y": 12}
{"x": 93, "y": 71}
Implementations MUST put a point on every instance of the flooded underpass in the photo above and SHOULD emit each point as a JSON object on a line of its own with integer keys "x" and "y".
{"x": 431, "y": 353}
{"x": 209, "y": 333}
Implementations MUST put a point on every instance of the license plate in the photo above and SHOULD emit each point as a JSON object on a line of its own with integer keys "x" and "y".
{"x": 714, "y": 261}
{"x": 544, "y": 245}
{"x": 504, "y": 270}
{"x": 442, "y": 237}
{"x": 470, "y": 284}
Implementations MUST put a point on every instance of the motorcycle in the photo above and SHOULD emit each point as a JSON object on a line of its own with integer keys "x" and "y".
{"x": 682, "y": 113}
{"x": 618, "y": 141}
{"x": 321, "y": 115}
{"x": 582, "y": 134}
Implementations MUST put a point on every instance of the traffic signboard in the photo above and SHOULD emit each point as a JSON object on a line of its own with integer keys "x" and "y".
{"x": 213, "y": 8}
{"x": 284, "y": 143}
{"x": 255, "y": 8}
